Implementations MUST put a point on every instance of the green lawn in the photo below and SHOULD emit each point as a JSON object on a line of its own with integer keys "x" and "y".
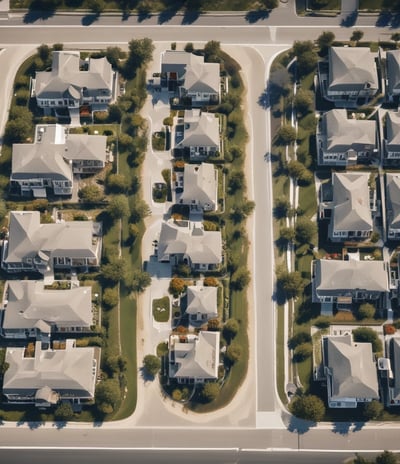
{"x": 280, "y": 354}
{"x": 161, "y": 309}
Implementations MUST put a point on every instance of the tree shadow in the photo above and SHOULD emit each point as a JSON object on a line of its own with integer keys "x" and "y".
{"x": 358, "y": 426}
{"x": 34, "y": 15}
{"x": 395, "y": 22}
{"x": 32, "y": 418}
{"x": 190, "y": 16}
{"x": 146, "y": 376}
{"x": 166, "y": 15}
{"x": 90, "y": 18}
{"x": 256, "y": 15}
{"x": 264, "y": 100}
{"x": 342, "y": 428}
{"x": 60, "y": 424}
{"x": 143, "y": 15}
{"x": 300, "y": 426}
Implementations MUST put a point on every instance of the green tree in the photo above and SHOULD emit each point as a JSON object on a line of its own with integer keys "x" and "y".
{"x": 300, "y": 47}
{"x": 44, "y": 52}
{"x": 118, "y": 207}
{"x": 309, "y": 407}
{"x": 357, "y": 35}
{"x": 387, "y": 457}
{"x": 151, "y": 364}
{"x": 395, "y": 37}
{"x": 233, "y": 353}
{"x": 299, "y": 338}
{"x": 117, "y": 183}
{"x": 139, "y": 281}
{"x": 115, "y": 114}
{"x": 305, "y": 229}
{"x": 366, "y": 311}
{"x": 367, "y": 335}
{"x": 306, "y": 63}
{"x": 139, "y": 54}
{"x": 325, "y": 40}
{"x": 210, "y": 391}
{"x": 189, "y": 48}
{"x": 17, "y": 130}
{"x": 286, "y": 134}
{"x": 64, "y": 412}
{"x": 302, "y": 352}
{"x": 279, "y": 81}
{"x": 212, "y": 49}
{"x": 291, "y": 282}
{"x": 97, "y": 6}
{"x": 107, "y": 395}
{"x": 110, "y": 297}
{"x": 231, "y": 328}
{"x": 91, "y": 194}
{"x": 139, "y": 211}
{"x": 240, "y": 279}
{"x": 177, "y": 286}
{"x": 270, "y": 4}
{"x": 114, "y": 55}
{"x": 373, "y": 410}
{"x": 115, "y": 270}
{"x": 235, "y": 182}
{"x": 287, "y": 234}
{"x": 281, "y": 207}
{"x": 304, "y": 101}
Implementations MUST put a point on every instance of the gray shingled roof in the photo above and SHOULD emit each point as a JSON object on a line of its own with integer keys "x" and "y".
{"x": 198, "y": 76}
{"x": 351, "y": 202}
{"x": 199, "y": 359}
{"x": 201, "y": 130}
{"x": 65, "y": 78}
{"x": 68, "y": 371}
{"x": 29, "y": 303}
{"x": 352, "y": 367}
{"x": 352, "y": 68}
{"x": 393, "y": 199}
{"x": 393, "y": 70}
{"x": 27, "y": 238}
{"x": 203, "y": 247}
{"x": 201, "y": 300}
{"x": 343, "y": 134}
{"x": 200, "y": 184}
{"x": 393, "y": 131}
{"x": 86, "y": 147}
{"x": 335, "y": 277}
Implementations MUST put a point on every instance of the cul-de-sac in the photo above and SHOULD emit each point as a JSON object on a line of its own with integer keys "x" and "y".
{"x": 200, "y": 231}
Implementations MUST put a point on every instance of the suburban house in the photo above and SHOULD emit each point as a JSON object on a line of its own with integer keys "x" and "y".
{"x": 197, "y": 187}
{"x": 194, "y": 358}
{"x": 29, "y": 309}
{"x": 350, "y": 371}
{"x": 185, "y": 242}
{"x": 197, "y": 135}
{"x": 195, "y": 82}
{"x": 392, "y": 74}
{"x": 393, "y": 205}
{"x": 391, "y": 139}
{"x": 48, "y": 164}
{"x": 32, "y": 246}
{"x": 73, "y": 83}
{"x": 343, "y": 142}
{"x": 51, "y": 375}
{"x": 201, "y": 303}
{"x": 351, "y": 78}
{"x": 339, "y": 284}
{"x": 350, "y": 205}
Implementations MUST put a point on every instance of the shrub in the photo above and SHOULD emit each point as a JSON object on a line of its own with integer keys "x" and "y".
{"x": 177, "y": 286}
{"x": 366, "y": 311}
{"x": 210, "y": 282}
{"x": 210, "y": 391}
{"x": 298, "y": 339}
{"x": 302, "y": 352}
{"x": 233, "y": 353}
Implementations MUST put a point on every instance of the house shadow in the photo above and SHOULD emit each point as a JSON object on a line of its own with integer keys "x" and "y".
{"x": 256, "y": 15}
